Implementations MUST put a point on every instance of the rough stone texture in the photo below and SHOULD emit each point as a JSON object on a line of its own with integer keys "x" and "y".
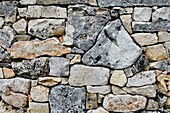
{"x": 124, "y": 103}
{"x": 151, "y": 26}
{"x": 160, "y": 65}
{"x": 152, "y": 105}
{"x": 118, "y": 78}
{"x": 167, "y": 47}
{"x": 142, "y": 78}
{"x": 84, "y": 75}
{"x": 15, "y": 99}
{"x": 84, "y": 24}
{"x": 35, "y": 48}
{"x": 8, "y": 73}
{"x": 39, "y": 93}
{"x": 63, "y": 2}
{"x": 162, "y": 13}
{"x": 91, "y": 101}
{"x": 99, "y": 89}
{"x": 22, "y": 12}
{"x": 126, "y": 21}
{"x": 45, "y": 28}
{"x": 149, "y": 91}
{"x": 49, "y": 81}
{"x": 38, "y": 11}
{"x": 5, "y": 108}
{"x": 140, "y": 64}
{"x": 129, "y": 72}
{"x": 67, "y": 99}
{"x": 22, "y": 37}
{"x": 98, "y": 110}
{"x": 163, "y": 36}
{"x": 144, "y": 39}
{"x": 1, "y": 73}
{"x": 6, "y": 36}
{"x": 26, "y": 2}
{"x": 156, "y": 52}
{"x": 59, "y": 66}
{"x": 38, "y": 107}
{"x": 32, "y": 68}
{"x": 117, "y": 90}
{"x": 1, "y": 22}
{"x": 76, "y": 59}
{"x": 4, "y": 56}
{"x": 114, "y": 48}
{"x": 109, "y": 3}
{"x": 9, "y": 10}
{"x": 142, "y": 13}
{"x": 20, "y": 26}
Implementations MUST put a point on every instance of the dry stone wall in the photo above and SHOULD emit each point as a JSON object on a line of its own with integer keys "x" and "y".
{"x": 85, "y": 56}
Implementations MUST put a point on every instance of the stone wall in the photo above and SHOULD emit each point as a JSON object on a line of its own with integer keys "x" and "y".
{"x": 84, "y": 56}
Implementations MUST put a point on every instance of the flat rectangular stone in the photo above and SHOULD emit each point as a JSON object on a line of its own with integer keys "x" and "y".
{"x": 151, "y": 26}
{"x": 125, "y": 3}
{"x": 68, "y": 2}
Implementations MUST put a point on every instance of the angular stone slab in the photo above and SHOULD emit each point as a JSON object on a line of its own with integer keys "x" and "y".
{"x": 125, "y": 3}
{"x": 45, "y": 28}
{"x": 35, "y": 48}
{"x": 67, "y": 99}
{"x": 32, "y": 68}
{"x": 124, "y": 103}
{"x": 63, "y": 2}
{"x": 9, "y": 10}
{"x": 85, "y": 75}
{"x": 151, "y": 26}
{"x": 84, "y": 24}
{"x": 114, "y": 48}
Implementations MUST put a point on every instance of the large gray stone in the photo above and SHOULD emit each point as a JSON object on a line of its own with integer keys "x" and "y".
{"x": 32, "y": 68}
{"x": 151, "y": 26}
{"x": 63, "y": 2}
{"x": 84, "y": 24}
{"x": 124, "y": 103}
{"x": 109, "y": 3}
{"x": 9, "y": 10}
{"x": 114, "y": 48}
{"x": 4, "y": 56}
{"x": 67, "y": 99}
{"x": 59, "y": 66}
{"x": 85, "y": 75}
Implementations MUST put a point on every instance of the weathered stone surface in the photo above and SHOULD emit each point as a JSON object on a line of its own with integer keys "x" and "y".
{"x": 167, "y": 47}
{"x": 1, "y": 73}
{"x": 85, "y": 75}
{"x": 142, "y": 78}
{"x": 117, "y": 90}
{"x": 38, "y": 107}
{"x": 129, "y": 72}
{"x": 67, "y": 99}
{"x": 118, "y": 78}
{"x": 26, "y": 2}
{"x": 5, "y": 108}
{"x": 64, "y": 2}
{"x": 141, "y": 64}
{"x": 144, "y": 39}
{"x": 126, "y": 21}
{"x": 160, "y": 65}
{"x": 22, "y": 37}
{"x": 109, "y": 3}
{"x": 162, "y": 13}
{"x": 64, "y": 80}
{"x": 152, "y": 105}
{"x": 76, "y": 59}
{"x": 6, "y": 36}
{"x": 149, "y": 91}
{"x": 38, "y": 11}
{"x": 1, "y": 22}
{"x": 22, "y": 12}
{"x": 59, "y": 66}
{"x": 98, "y": 110}
{"x": 163, "y": 36}
{"x": 91, "y": 101}
{"x": 142, "y": 13}
{"x": 32, "y": 68}
{"x": 20, "y": 26}
{"x": 84, "y": 24}
{"x": 124, "y": 103}
{"x": 45, "y": 28}
{"x": 99, "y": 89}
{"x": 111, "y": 49}
{"x": 156, "y": 52}
{"x": 35, "y": 48}
{"x": 4, "y": 56}
{"x": 49, "y": 81}
{"x": 9, "y": 10}
{"x": 39, "y": 93}
{"x": 15, "y": 99}
{"x": 151, "y": 26}
{"x": 8, "y": 73}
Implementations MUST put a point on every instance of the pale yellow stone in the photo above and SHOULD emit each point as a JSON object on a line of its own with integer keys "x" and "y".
{"x": 98, "y": 110}
{"x": 117, "y": 90}
{"x": 49, "y": 81}
{"x": 64, "y": 80}
{"x": 8, "y": 73}
{"x": 38, "y": 107}
{"x": 91, "y": 101}
{"x": 76, "y": 59}
{"x": 127, "y": 20}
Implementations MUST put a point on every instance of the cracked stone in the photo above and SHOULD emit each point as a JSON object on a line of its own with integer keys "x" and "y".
{"x": 111, "y": 49}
